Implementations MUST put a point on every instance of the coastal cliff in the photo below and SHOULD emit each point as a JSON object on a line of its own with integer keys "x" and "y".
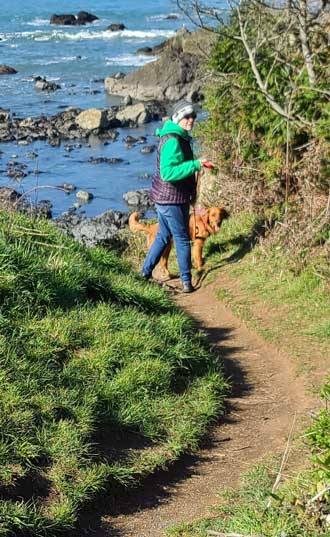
{"x": 177, "y": 73}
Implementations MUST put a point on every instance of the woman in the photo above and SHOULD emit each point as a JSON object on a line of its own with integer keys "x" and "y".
{"x": 172, "y": 191}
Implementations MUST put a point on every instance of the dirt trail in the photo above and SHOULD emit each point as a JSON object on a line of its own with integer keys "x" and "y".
{"x": 266, "y": 395}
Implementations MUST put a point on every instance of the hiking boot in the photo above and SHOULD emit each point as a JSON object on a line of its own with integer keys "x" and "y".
{"x": 146, "y": 277}
{"x": 187, "y": 287}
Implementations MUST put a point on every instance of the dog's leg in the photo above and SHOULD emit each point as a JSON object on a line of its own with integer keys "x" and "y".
{"x": 197, "y": 250}
{"x": 164, "y": 260}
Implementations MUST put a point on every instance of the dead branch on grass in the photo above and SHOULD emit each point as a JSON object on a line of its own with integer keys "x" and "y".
{"x": 284, "y": 460}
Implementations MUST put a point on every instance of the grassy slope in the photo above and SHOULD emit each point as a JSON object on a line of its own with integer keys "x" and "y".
{"x": 86, "y": 347}
{"x": 292, "y": 309}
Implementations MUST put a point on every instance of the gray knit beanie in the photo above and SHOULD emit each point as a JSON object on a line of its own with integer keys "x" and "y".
{"x": 182, "y": 109}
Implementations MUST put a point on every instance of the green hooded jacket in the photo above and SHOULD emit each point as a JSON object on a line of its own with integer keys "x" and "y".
{"x": 173, "y": 167}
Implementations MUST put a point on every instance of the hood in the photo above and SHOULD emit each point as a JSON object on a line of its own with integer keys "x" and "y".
{"x": 172, "y": 128}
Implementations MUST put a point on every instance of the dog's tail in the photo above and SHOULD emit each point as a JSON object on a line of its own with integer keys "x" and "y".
{"x": 135, "y": 225}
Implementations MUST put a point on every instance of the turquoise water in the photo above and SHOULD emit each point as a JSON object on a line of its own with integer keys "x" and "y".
{"x": 78, "y": 59}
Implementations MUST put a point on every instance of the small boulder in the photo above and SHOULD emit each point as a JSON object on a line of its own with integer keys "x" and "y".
{"x": 144, "y": 51}
{"x": 105, "y": 160}
{"x": 68, "y": 187}
{"x": 92, "y": 119}
{"x": 84, "y": 17}
{"x": 147, "y": 149}
{"x": 44, "y": 85}
{"x": 84, "y": 196}
{"x": 135, "y": 114}
{"x": 138, "y": 198}
{"x": 127, "y": 100}
{"x": 63, "y": 20}
{"x": 7, "y": 70}
{"x": 116, "y": 27}
{"x": 8, "y": 195}
{"x": 4, "y": 115}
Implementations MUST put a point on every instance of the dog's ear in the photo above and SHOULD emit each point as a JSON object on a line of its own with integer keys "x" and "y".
{"x": 206, "y": 222}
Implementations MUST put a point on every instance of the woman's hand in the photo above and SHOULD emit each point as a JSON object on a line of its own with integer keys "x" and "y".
{"x": 206, "y": 163}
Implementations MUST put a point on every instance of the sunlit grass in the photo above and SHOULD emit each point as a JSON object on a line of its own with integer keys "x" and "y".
{"x": 87, "y": 344}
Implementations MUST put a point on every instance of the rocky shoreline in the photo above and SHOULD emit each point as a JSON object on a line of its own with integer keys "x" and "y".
{"x": 147, "y": 96}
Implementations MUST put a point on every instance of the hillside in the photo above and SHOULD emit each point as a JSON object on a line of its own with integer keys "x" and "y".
{"x": 103, "y": 378}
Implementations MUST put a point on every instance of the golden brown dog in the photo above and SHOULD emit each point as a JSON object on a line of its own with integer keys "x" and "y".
{"x": 202, "y": 224}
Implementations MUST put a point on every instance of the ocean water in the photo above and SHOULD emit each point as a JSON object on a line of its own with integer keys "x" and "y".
{"x": 78, "y": 58}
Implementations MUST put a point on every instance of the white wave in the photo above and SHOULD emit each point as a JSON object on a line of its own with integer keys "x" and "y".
{"x": 148, "y": 34}
{"x": 163, "y": 17}
{"x": 81, "y": 35}
{"x": 38, "y": 22}
{"x": 130, "y": 60}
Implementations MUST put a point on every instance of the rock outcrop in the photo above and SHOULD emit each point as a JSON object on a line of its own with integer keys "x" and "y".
{"x": 74, "y": 124}
{"x": 67, "y": 19}
{"x": 140, "y": 113}
{"x": 138, "y": 198}
{"x": 92, "y": 119}
{"x": 103, "y": 229}
{"x": 176, "y": 74}
{"x": 11, "y": 200}
{"x": 116, "y": 27}
{"x": 7, "y": 70}
{"x": 42, "y": 84}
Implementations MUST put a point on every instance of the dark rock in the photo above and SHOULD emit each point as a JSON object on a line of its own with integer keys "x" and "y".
{"x": 8, "y": 195}
{"x": 100, "y": 230}
{"x": 63, "y": 20}
{"x": 130, "y": 140}
{"x": 44, "y": 85}
{"x": 116, "y": 27}
{"x": 105, "y": 160}
{"x": 64, "y": 126}
{"x": 4, "y": 116}
{"x": 171, "y": 17}
{"x": 158, "y": 49}
{"x": 68, "y": 187}
{"x": 10, "y": 199}
{"x": 83, "y": 17}
{"x": 46, "y": 204}
{"x": 138, "y": 198}
{"x": 147, "y": 149}
{"x": 145, "y": 51}
{"x": 42, "y": 210}
{"x": 7, "y": 70}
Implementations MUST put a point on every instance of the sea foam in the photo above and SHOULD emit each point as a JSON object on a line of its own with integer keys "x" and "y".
{"x": 130, "y": 60}
{"x": 73, "y": 35}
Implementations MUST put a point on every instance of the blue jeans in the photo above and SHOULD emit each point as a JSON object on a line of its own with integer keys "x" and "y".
{"x": 173, "y": 222}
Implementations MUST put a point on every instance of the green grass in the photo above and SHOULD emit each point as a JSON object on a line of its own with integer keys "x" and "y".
{"x": 291, "y": 308}
{"x": 263, "y": 286}
{"x": 291, "y": 510}
{"x": 255, "y": 510}
{"x": 87, "y": 346}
